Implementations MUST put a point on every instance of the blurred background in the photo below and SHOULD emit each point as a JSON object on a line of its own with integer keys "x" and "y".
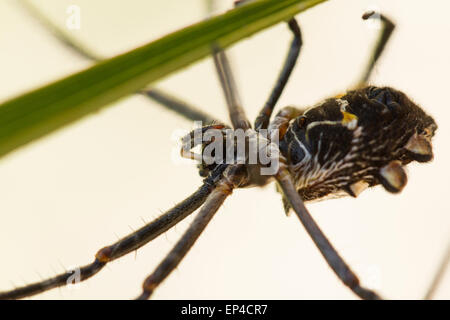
{"x": 79, "y": 189}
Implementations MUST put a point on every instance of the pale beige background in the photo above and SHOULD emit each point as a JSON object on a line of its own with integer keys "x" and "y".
{"x": 65, "y": 196}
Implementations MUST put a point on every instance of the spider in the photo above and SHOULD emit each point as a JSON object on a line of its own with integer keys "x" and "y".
{"x": 330, "y": 129}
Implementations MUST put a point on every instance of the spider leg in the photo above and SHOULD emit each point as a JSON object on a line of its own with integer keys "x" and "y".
{"x": 327, "y": 250}
{"x": 262, "y": 121}
{"x": 228, "y": 84}
{"x": 171, "y": 102}
{"x": 127, "y": 244}
{"x": 439, "y": 275}
{"x": 214, "y": 201}
{"x": 237, "y": 114}
{"x": 167, "y": 100}
{"x": 386, "y": 31}
{"x": 59, "y": 33}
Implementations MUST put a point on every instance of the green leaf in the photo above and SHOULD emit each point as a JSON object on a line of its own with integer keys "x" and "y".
{"x": 39, "y": 112}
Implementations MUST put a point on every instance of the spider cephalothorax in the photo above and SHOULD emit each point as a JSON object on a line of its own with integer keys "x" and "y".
{"x": 360, "y": 139}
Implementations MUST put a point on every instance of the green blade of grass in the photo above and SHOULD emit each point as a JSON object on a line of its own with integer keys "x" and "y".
{"x": 39, "y": 112}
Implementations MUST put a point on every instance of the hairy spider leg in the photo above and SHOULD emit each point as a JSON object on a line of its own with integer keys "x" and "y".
{"x": 127, "y": 244}
{"x": 233, "y": 177}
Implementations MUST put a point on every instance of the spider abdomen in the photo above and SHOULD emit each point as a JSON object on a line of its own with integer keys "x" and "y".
{"x": 360, "y": 139}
